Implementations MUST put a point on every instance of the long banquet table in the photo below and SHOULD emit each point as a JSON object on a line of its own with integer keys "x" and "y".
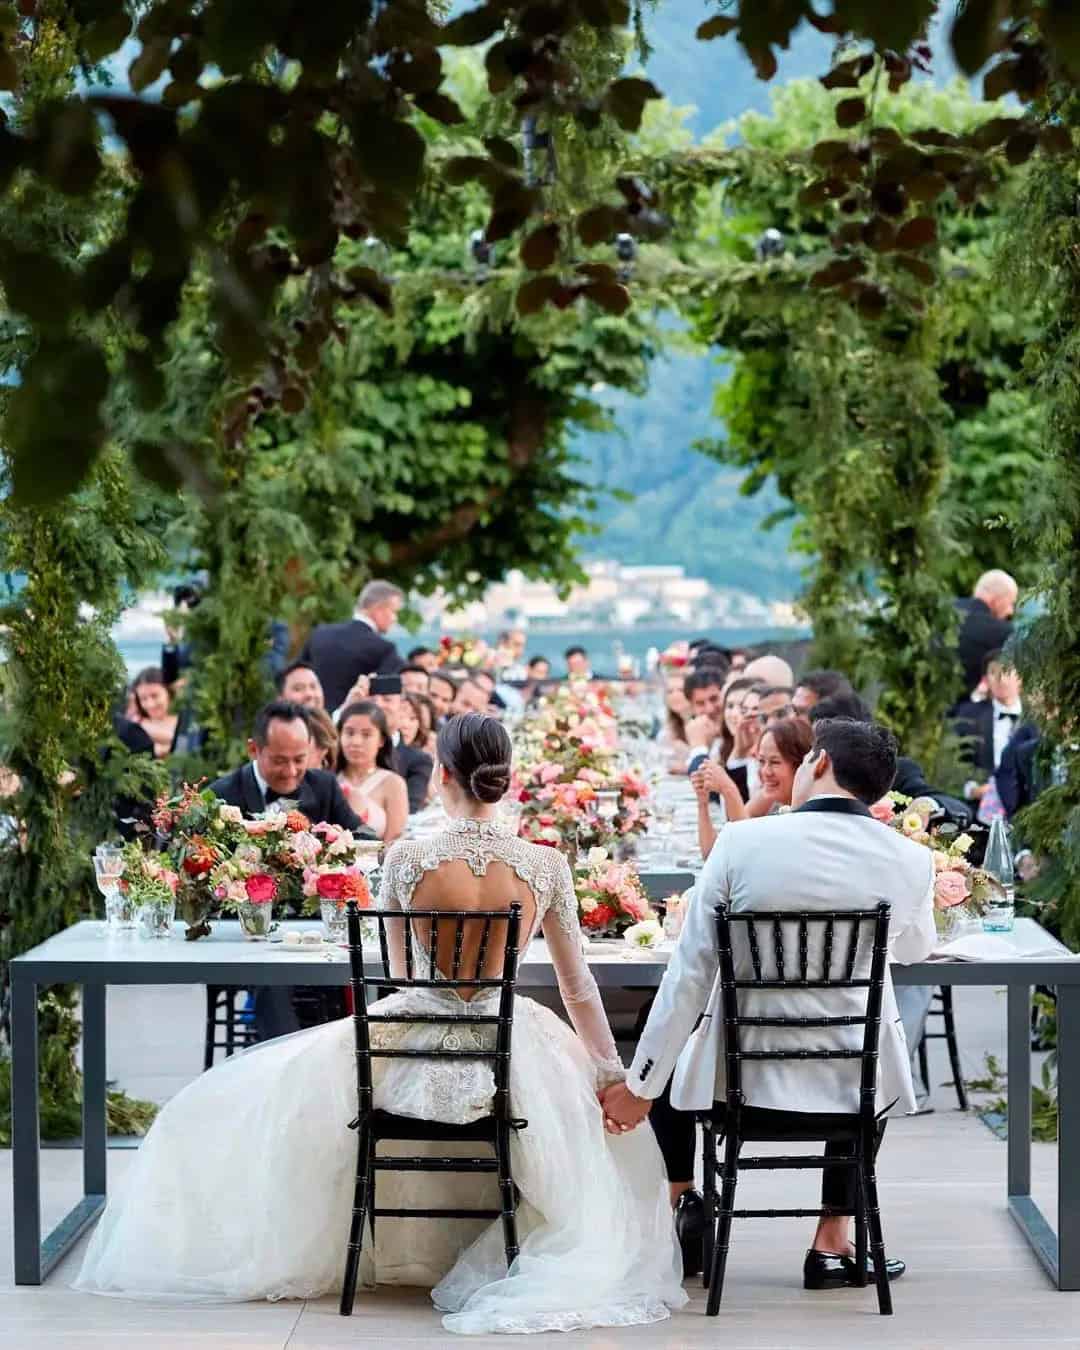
{"x": 85, "y": 956}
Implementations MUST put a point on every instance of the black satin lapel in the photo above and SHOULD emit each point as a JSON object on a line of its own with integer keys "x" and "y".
{"x": 249, "y": 791}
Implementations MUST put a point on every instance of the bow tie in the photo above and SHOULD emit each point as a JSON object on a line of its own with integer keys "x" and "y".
{"x": 272, "y": 796}
{"x": 1012, "y": 716}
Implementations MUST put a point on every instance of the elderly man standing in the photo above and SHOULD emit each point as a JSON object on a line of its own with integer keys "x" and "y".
{"x": 985, "y": 624}
{"x": 342, "y": 651}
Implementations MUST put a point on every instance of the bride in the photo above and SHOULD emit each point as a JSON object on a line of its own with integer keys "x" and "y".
{"x": 243, "y": 1187}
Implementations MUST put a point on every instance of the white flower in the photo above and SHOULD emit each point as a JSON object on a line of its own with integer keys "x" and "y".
{"x": 646, "y": 934}
{"x": 230, "y": 815}
{"x": 962, "y": 843}
{"x": 596, "y": 857}
{"x": 587, "y": 903}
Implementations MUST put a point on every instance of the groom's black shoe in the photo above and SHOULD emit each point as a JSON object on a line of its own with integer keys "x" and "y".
{"x": 690, "y": 1230}
{"x": 822, "y": 1270}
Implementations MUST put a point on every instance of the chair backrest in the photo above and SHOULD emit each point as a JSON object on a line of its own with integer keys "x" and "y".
{"x": 777, "y": 956}
{"x": 447, "y": 959}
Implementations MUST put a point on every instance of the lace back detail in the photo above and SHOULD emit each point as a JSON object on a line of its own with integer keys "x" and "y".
{"x": 478, "y": 843}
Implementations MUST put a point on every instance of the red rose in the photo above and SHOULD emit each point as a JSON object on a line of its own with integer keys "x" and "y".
{"x": 330, "y": 886}
{"x": 599, "y": 917}
{"x": 261, "y": 888}
{"x": 524, "y": 795}
{"x": 197, "y": 865}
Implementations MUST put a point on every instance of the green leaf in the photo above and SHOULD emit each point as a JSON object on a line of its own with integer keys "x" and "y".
{"x": 38, "y": 286}
{"x": 390, "y": 152}
{"x": 100, "y": 39}
{"x": 441, "y": 107}
{"x": 850, "y": 112}
{"x": 626, "y": 100}
{"x": 541, "y": 248}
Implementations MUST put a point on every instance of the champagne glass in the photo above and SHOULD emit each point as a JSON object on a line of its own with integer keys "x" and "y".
{"x": 108, "y": 871}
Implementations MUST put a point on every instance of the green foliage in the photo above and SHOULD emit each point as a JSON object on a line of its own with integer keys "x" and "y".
{"x": 1044, "y": 1098}
{"x": 1041, "y": 267}
{"x": 884, "y": 433}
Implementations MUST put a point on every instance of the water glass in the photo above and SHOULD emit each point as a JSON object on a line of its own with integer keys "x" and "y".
{"x": 156, "y": 918}
{"x": 108, "y": 871}
{"x": 335, "y": 922}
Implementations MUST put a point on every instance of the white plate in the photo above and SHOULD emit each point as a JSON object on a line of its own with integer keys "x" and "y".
{"x": 298, "y": 948}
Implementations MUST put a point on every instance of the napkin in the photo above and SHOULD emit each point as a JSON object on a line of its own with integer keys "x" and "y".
{"x": 1024, "y": 943}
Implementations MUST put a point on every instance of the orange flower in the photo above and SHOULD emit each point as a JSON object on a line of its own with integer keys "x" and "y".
{"x": 356, "y": 888}
{"x": 297, "y": 821}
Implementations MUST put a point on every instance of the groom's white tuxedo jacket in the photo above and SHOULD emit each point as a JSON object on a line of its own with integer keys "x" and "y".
{"x": 830, "y": 855}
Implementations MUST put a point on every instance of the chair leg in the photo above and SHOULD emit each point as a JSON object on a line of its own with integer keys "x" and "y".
{"x": 924, "y": 1065}
{"x": 954, "y": 1049}
{"x": 230, "y": 1022}
{"x": 729, "y": 1178}
{"x": 362, "y": 1202}
{"x": 873, "y": 1219}
{"x": 708, "y": 1189}
{"x": 507, "y": 1195}
{"x": 212, "y": 992}
{"x": 860, "y": 1225}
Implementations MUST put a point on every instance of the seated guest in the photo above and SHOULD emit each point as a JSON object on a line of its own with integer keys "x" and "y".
{"x": 471, "y": 697}
{"x": 324, "y": 740}
{"x": 741, "y": 734}
{"x": 423, "y": 657}
{"x": 704, "y": 691}
{"x": 486, "y": 680}
{"x": 782, "y": 748}
{"x": 774, "y": 700}
{"x": 1019, "y": 777}
{"x": 413, "y": 765}
{"x": 539, "y": 668}
{"x": 414, "y": 680}
{"x": 716, "y": 658}
{"x": 153, "y": 710}
{"x": 814, "y": 685}
{"x": 365, "y": 771}
{"x": 280, "y": 747}
{"x": 342, "y": 651}
{"x": 577, "y": 664}
{"x": 299, "y": 683}
{"x": 827, "y": 854}
{"x": 129, "y": 812}
{"x": 672, "y": 735}
{"x": 442, "y": 690}
{"x": 770, "y": 670}
{"x": 415, "y": 722}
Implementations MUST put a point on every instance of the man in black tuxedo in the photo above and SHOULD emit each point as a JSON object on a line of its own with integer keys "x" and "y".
{"x": 414, "y": 765}
{"x": 342, "y": 651}
{"x": 985, "y": 624}
{"x": 988, "y": 726}
{"x": 277, "y": 770}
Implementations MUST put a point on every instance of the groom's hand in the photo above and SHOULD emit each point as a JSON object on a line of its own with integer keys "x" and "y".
{"x": 622, "y": 1110}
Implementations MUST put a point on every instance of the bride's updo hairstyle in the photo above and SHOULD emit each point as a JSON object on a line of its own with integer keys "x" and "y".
{"x": 475, "y": 750}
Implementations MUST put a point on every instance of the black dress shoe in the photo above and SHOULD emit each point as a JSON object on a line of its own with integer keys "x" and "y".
{"x": 823, "y": 1270}
{"x": 690, "y": 1230}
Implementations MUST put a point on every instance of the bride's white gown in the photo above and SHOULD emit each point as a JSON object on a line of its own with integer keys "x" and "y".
{"x": 243, "y": 1187}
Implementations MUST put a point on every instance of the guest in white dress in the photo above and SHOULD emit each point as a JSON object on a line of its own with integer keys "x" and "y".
{"x": 366, "y": 770}
{"x": 243, "y": 1187}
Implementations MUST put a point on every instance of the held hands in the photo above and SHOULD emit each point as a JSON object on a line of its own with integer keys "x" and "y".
{"x": 622, "y": 1110}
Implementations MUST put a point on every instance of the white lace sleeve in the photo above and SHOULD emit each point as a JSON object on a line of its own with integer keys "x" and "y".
{"x": 580, "y": 996}
{"x": 395, "y": 890}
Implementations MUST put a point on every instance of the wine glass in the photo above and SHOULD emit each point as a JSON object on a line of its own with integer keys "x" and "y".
{"x": 108, "y": 871}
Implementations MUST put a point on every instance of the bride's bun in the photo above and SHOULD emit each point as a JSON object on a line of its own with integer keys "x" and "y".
{"x": 490, "y": 782}
{"x": 476, "y": 750}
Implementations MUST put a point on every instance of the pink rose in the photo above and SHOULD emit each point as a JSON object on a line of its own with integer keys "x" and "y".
{"x": 637, "y": 906}
{"x": 261, "y": 888}
{"x": 549, "y": 772}
{"x": 883, "y": 811}
{"x": 950, "y": 888}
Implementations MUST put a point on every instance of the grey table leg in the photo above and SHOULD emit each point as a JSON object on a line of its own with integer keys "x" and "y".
{"x": 1068, "y": 1011}
{"x": 1019, "y": 1090}
{"x": 24, "y": 1133}
{"x": 95, "y": 1127}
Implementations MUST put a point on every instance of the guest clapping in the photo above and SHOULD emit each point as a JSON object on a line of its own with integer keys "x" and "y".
{"x": 783, "y": 747}
{"x": 413, "y": 765}
{"x": 366, "y": 773}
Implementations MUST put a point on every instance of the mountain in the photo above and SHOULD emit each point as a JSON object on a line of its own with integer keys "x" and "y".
{"x": 687, "y": 508}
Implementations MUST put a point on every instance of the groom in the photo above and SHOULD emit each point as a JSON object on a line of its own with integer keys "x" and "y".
{"x": 827, "y": 854}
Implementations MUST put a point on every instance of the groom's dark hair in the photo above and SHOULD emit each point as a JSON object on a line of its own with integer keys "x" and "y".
{"x": 862, "y": 754}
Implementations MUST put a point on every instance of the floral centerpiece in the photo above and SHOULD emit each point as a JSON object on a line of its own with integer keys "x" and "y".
{"x": 198, "y": 831}
{"x": 611, "y": 899}
{"x": 676, "y": 656}
{"x": 151, "y": 885}
{"x": 336, "y": 874}
{"x": 571, "y": 789}
{"x": 961, "y": 890}
{"x": 470, "y": 652}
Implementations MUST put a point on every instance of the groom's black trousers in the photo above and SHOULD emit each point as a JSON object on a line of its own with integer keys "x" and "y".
{"x": 676, "y": 1133}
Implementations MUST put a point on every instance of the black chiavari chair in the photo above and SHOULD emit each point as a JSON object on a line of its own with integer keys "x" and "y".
{"x": 446, "y": 940}
{"x": 838, "y": 964}
{"x": 941, "y": 1005}
{"x": 235, "y": 1025}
